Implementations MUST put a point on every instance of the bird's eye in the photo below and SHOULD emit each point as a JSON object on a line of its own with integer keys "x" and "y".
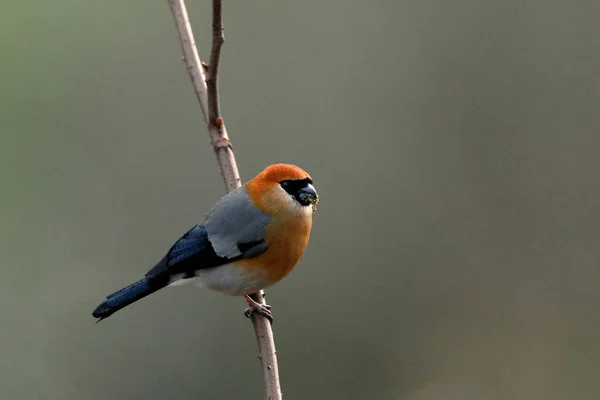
{"x": 287, "y": 186}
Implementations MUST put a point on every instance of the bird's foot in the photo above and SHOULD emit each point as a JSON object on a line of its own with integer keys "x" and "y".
{"x": 256, "y": 307}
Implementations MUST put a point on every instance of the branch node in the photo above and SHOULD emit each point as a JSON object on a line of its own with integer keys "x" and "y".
{"x": 222, "y": 143}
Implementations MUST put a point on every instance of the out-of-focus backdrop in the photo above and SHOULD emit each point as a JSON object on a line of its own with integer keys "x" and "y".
{"x": 456, "y": 148}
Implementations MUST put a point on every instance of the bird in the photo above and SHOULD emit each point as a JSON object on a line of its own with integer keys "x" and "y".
{"x": 249, "y": 240}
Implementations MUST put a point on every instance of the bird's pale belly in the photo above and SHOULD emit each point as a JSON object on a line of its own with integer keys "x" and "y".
{"x": 231, "y": 279}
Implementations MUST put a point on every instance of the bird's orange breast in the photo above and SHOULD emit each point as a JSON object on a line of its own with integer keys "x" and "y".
{"x": 287, "y": 237}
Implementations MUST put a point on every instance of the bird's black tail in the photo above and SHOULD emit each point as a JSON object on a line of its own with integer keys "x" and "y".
{"x": 124, "y": 297}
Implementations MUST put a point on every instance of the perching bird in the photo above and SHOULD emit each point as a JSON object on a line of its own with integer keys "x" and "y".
{"x": 250, "y": 240}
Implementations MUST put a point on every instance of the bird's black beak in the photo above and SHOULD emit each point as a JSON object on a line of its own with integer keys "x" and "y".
{"x": 307, "y": 195}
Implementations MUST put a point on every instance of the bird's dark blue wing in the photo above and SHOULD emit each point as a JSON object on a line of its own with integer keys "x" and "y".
{"x": 194, "y": 245}
{"x": 193, "y": 251}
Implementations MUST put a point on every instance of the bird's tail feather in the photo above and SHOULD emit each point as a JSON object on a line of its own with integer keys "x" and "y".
{"x": 124, "y": 297}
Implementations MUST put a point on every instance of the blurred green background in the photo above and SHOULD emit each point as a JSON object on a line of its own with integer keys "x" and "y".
{"x": 456, "y": 149}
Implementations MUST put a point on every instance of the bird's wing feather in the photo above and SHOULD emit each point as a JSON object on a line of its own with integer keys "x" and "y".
{"x": 236, "y": 226}
{"x": 232, "y": 230}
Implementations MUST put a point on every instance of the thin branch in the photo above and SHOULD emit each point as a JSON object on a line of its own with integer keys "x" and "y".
{"x": 215, "y": 124}
{"x": 212, "y": 79}
{"x": 206, "y": 89}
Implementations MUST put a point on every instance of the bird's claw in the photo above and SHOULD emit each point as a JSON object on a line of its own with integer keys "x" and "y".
{"x": 262, "y": 309}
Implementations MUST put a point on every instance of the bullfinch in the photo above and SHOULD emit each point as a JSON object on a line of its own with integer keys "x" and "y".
{"x": 251, "y": 239}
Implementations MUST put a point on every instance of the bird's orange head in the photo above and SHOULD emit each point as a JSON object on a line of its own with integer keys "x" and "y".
{"x": 283, "y": 188}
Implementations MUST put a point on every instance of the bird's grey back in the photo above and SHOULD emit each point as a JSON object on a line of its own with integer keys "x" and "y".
{"x": 235, "y": 226}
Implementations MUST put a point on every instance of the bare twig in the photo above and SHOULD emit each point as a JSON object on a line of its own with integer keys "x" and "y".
{"x": 206, "y": 88}
{"x": 213, "y": 65}
{"x": 215, "y": 124}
